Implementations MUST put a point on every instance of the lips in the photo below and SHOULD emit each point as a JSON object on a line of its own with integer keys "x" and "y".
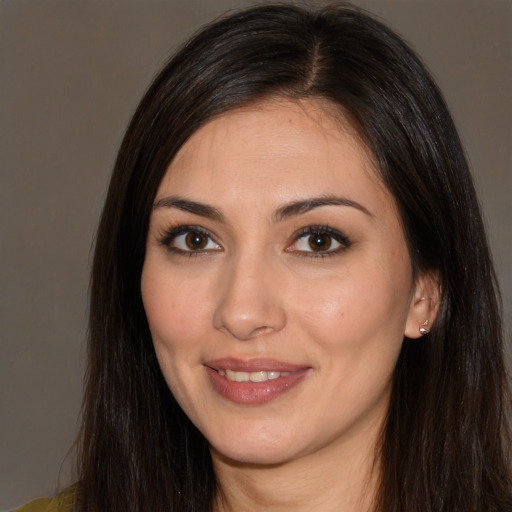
{"x": 255, "y": 381}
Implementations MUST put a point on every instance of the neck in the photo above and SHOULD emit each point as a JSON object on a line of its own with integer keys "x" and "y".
{"x": 338, "y": 478}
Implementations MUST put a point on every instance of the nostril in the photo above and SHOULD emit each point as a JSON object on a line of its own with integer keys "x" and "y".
{"x": 261, "y": 331}
{"x": 247, "y": 305}
{"x": 246, "y": 333}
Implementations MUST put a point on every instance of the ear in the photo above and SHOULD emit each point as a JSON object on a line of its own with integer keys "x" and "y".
{"x": 424, "y": 305}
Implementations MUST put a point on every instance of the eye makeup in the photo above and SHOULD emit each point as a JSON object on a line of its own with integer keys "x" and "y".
{"x": 188, "y": 240}
{"x": 318, "y": 241}
{"x": 313, "y": 241}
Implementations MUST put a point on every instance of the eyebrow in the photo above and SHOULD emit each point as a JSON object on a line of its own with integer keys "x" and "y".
{"x": 201, "y": 209}
{"x": 284, "y": 212}
{"x": 299, "y": 207}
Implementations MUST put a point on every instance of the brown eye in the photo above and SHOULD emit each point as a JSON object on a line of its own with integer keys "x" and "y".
{"x": 320, "y": 242}
{"x": 183, "y": 240}
{"x": 196, "y": 241}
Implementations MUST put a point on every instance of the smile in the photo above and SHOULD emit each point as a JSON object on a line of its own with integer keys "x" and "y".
{"x": 253, "y": 382}
{"x": 260, "y": 376}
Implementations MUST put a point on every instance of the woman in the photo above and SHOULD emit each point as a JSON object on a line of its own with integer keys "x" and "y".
{"x": 293, "y": 304}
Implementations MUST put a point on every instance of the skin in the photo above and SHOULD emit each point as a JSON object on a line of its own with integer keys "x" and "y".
{"x": 258, "y": 290}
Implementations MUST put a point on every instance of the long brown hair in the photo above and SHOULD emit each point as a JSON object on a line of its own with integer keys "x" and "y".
{"x": 445, "y": 444}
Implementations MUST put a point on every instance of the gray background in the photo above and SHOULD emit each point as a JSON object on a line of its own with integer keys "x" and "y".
{"x": 71, "y": 74}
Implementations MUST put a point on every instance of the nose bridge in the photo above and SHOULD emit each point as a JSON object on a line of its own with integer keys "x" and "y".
{"x": 249, "y": 302}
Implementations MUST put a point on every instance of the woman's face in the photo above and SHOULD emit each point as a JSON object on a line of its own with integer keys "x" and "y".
{"x": 277, "y": 284}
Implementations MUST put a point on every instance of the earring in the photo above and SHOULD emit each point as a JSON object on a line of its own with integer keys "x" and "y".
{"x": 423, "y": 328}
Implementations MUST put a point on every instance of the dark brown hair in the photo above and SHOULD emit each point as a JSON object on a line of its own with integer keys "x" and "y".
{"x": 444, "y": 446}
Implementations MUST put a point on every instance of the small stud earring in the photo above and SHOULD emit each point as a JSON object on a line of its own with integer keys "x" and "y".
{"x": 423, "y": 328}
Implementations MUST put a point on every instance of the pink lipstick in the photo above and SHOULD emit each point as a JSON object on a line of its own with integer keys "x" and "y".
{"x": 253, "y": 381}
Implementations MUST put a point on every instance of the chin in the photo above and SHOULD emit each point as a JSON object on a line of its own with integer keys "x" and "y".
{"x": 255, "y": 448}
{"x": 249, "y": 457}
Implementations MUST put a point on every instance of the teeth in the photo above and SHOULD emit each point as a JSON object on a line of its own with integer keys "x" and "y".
{"x": 252, "y": 376}
{"x": 258, "y": 376}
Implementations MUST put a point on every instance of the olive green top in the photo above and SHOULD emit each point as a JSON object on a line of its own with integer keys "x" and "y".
{"x": 61, "y": 503}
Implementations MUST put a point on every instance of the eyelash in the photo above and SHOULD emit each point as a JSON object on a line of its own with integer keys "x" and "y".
{"x": 172, "y": 233}
{"x": 322, "y": 229}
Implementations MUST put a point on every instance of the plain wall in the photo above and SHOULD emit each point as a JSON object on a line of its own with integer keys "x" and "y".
{"x": 71, "y": 75}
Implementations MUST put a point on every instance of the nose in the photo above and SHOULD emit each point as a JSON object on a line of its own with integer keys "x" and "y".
{"x": 250, "y": 304}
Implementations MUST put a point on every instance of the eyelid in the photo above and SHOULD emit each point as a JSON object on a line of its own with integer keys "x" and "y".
{"x": 337, "y": 235}
{"x": 171, "y": 233}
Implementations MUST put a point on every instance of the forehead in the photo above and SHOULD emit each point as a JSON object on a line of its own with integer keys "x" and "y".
{"x": 278, "y": 148}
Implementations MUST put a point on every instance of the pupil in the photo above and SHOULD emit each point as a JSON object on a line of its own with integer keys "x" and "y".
{"x": 319, "y": 242}
{"x": 195, "y": 241}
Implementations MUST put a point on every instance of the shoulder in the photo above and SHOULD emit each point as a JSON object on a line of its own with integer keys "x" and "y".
{"x": 63, "y": 502}
{"x": 41, "y": 505}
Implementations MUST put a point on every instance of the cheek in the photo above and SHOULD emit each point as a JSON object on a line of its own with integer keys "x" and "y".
{"x": 174, "y": 309}
{"x": 176, "y": 316}
{"x": 353, "y": 309}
